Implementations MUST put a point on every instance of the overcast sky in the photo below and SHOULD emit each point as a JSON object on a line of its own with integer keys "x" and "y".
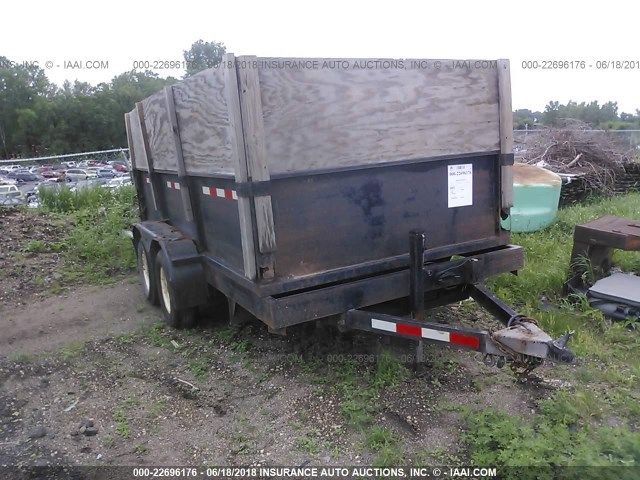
{"x": 121, "y": 32}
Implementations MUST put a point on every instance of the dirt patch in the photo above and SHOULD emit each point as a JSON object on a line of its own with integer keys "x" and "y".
{"x": 48, "y": 324}
{"x": 215, "y": 395}
{"x": 29, "y": 262}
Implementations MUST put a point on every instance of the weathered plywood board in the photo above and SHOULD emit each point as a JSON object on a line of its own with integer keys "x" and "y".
{"x": 185, "y": 189}
{"x": 254, "y": 142}
{"x": 203, "y": 119}
{"x": 239, "y": 161}
{"x": 506, "y": 130}
{"x": 316, "y": 118}
{"x": 136, "y": 141}
{"x": 161, "y": 143}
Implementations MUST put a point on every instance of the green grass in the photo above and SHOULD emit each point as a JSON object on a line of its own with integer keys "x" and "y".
{"x": 156, "y": 334}
{"x": 308, "y": 445}
{"x": 72, "y": 350}
{"x": 94, "y": 249}
{"x": 131, "y": 401}
{"x": 140, "y": 449}
{"x": 547, "y": 256}
{"x": 199, "y": 368}
{"x": 560, "y": 435}
{"x": 35, "y": 246}
{"x": 122, "y": 423}
{"x": 595, "y": 422}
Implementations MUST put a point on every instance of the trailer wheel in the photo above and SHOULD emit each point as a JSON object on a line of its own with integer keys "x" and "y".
{"x": 175, "y": 315}
{"x": 147, "y": 278}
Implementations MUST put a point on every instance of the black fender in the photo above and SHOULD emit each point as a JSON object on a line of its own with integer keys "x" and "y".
{"x": 185, "y": 269}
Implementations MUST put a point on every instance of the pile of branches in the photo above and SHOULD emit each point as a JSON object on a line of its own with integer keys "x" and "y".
{"x": 575, "y": 148}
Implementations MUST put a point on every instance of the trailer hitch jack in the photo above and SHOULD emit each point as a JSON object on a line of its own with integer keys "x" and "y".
{"x": 557, "y": 350}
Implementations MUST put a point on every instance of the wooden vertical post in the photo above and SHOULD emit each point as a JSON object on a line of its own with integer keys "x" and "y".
{"x": 158, "y": 202}
{"x": 133, "y": 172}
{"x": 506, "y": 130}
{"x": 185, "y": 191}
{"x": 132, "y": 153}
{"x": 240, "y": 163}
{"x": 254, "y": 141}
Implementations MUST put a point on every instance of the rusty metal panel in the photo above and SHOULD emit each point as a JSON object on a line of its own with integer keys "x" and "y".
{"x": 354, "y": 216}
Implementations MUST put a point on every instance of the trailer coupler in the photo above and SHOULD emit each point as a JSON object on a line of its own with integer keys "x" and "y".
{"x": 522, "y": 344}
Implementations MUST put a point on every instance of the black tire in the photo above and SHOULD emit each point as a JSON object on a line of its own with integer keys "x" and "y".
{"x": 147, "y": 275}
{"x": 175, "y": 315}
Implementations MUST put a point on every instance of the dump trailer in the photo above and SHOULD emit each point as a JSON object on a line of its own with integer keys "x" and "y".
{"x": 356, "y": 191}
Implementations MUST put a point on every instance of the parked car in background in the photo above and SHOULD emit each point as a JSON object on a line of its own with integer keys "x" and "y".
{"x": 106, "y": 173}
{"x": 49, "y": 173}
{"x": 7, "y": 181}
{"x": 51, "y": 184}
{"x": 76, "y": 174}
{"x": 24, "y": 176}
{"x": 92, "y": 172}
{"x": 120, "y": 167}
{"x": 10, "y": 195}
{"x": 90, "y": 183}
{"x": 118, "y": 182}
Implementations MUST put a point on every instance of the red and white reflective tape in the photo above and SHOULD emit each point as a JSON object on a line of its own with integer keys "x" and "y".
{"x": 429, "y": 333}
{"x": 174, "y": 185}
{"x": 220, "y": 192}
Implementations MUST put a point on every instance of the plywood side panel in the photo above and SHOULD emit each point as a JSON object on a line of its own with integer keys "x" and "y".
{"x": 136, "y": 141}
{"x": 161, "y": 143}
{"x": 203, "y": 119}
{"x": 336, "y": 117}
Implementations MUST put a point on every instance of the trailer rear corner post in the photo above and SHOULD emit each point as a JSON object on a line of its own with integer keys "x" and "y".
{"x": 417, "y": 242}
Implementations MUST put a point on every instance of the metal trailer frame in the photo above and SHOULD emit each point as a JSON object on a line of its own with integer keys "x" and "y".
{"x": 521, "y": 343}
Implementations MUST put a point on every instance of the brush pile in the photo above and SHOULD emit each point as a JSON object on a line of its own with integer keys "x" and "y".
{"x": 595, "y": 156}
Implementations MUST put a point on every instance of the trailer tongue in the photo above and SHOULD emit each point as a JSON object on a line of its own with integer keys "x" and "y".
{"x": 522, "y": 343}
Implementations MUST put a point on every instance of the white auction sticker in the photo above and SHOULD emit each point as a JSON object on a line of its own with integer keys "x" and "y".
{"x": 460, "y": 185}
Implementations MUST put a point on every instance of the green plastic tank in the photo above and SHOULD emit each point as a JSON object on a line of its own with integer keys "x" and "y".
{"x": 536, "y": 193}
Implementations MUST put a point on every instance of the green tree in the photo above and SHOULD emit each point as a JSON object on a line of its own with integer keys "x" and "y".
{"x": 525, "y": 118}
{"x": 551, "y": 114}
{"x": 37, "y": 118}
{"x": 23, "y": 87}
{"x": 596, "y": 115}
{"x": 203, "y": 55}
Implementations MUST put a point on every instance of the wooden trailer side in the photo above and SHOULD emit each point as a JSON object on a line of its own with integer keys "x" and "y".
{"x": 252, "y": 121}
{"x": 195, "y": 143}
{"x": 327, "y": 118}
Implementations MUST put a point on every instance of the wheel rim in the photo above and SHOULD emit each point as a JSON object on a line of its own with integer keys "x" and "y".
{"x": 144, "y": 268}
{"x": 164, "y": 290}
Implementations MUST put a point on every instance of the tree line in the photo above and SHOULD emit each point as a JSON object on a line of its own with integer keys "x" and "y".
{"x": 39, "y": 118}
{"x": 605, "y": 116}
